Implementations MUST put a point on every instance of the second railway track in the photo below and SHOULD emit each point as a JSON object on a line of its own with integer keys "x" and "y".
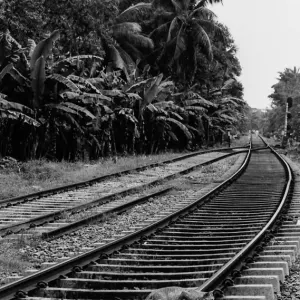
{"x": 29, "y": 212}
{"x": 195, "y": 247}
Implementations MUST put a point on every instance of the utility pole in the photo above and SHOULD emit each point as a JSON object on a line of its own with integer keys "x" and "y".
{"x": 288, "y": 105}
{"x": 286, "y": 118}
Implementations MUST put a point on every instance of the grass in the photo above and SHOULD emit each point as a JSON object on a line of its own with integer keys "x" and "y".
{"x": 12, "y": 259}
{"x": 37, "y": 175}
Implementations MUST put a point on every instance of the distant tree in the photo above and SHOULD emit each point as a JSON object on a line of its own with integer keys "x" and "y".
{"x": 288, "y": 85}
{"x": 23, "y": 18}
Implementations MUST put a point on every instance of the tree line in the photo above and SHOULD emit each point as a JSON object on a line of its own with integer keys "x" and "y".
{"x": 92, "y": 78}
{"x": 286, "y": 92}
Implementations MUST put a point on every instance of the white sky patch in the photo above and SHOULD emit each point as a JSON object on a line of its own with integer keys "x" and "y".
{"x": 267, "y": 34}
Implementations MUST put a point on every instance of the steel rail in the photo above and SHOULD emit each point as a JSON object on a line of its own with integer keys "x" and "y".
{"x": 38, "y": 279}
{"x": 97, "y": 217}
{"x": 15, "y": 228}
{"x": 223, "y": 272}
{"x": 80, "y": 184}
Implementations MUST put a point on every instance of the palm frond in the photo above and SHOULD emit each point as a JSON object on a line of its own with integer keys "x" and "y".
{"x": 135, "y": 12}
{"x": 85, "y": 98}
{"x": 44, "y": 48}
{"x": 72, "y": 121}
{"x": 166, "y": 84}
{"x": 228, "y": 118}
{"x": 201, "y": 38}
{"x": 172, "y": 136}
{"x": 132, "y": 50}
{"x": 62, "y": 108}
{"x": 116, "y": 59}
{"x": 98, "y": 82}
{"x": 30, "y": 46}
{"x": 164, "y": 5}
{"x": 88, "y": 86}
{"x": 138, "y": 40}
{"x": 181, "y": 5}
{"x": 175, "y": 115}
{"x": 222, "y": 111}
{"x": 235, "y": 99}
{"x": 212, "y": 28}
{"x": 65, "y": 82}
{"x": 16, "y": 115}
{"x": 137, "y": 87}
{"x": 174, "y": 26}
{"x": 97, "y": 98}
{"x": 15, "y": 74}
{"x": 203, "y": 3}
{"x": 9, "y": 105}
{"x": 38, "y": 80}
{"x": 181, "y": 126}
{"x": 152, "y": 108}
{"x": 127, "y": 59}
{"x": 203, "y": 13}
{"x": 200, "y": 101}
{"x": 168, "y": 104}
{"x": 229, "y": 101}
{"x": 151, "y": 89}
{"x": 195, "y": 108}
{"x": 113, "y": 93}
{"x": 134, "y": 96}
{"x": 180, "y": 43}
{"x": 73, "y": 60}
{"x": 6, "y": 70}
{"x": 193, "y": 129}
{"x": 160, "y": 31}
{"x": 228, "y": 83}
{"x": 81, "y": 109}
{"x": 125, "y": 27}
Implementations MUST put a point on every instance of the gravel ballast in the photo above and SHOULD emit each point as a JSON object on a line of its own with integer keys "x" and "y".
{"x": 290, "y": 288}
{"x": 69, "y": 199}
{"x": 34, "y": 253}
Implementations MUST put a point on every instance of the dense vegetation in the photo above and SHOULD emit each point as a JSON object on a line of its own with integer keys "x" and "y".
{"x": 91, "y": 78}
{"x": 272, "y": 121}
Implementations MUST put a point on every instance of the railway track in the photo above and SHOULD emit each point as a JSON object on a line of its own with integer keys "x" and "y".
{"x": 195, "y": 248}
{"x": 45, "y": 215}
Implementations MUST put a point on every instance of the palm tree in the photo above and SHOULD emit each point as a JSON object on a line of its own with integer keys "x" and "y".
{"x": 129, "y": 44}
{"x": 180, "y": 28}
{"x": 183, "y": 29}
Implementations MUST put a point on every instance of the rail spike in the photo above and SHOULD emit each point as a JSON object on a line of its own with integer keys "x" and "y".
{"x": 42, "y": 284}
{"x": 20, "y": 295}
{"x": 249, "y": 260}
{"x": 218, "y": 294}
{"x": 77, "y": 269}
{"x": 228, "y": 282}
{"x": 236, "y": 273}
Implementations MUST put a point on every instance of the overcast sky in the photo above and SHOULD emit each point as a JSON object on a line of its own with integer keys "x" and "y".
{"x": 267, "y": 34}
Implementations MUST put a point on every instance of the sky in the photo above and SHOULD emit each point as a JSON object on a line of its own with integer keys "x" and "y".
{"x": 267, "y": 34}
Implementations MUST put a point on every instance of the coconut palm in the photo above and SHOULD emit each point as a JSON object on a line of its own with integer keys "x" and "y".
{"x": 129, "y": 43}
{"x": 180, "y": 29}
{"x": 183, "y": 29}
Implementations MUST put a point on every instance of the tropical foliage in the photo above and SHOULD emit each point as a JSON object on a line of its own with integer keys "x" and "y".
{"x": 105, "y": 78}
{"x": 273, "y": 120}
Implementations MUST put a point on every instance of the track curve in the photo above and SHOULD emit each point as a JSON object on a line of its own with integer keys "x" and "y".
{"x": 29, "y": 213}
{"x": 185, "y": 249}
